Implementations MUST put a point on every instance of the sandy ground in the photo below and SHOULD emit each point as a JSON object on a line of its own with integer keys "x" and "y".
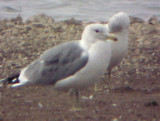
{"x": 133, "y": 94}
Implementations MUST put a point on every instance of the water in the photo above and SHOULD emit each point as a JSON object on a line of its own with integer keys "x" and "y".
{"x": 85, "y": 10}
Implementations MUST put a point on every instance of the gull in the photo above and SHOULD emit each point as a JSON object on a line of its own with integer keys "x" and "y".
{"x": 72, "y": 65}
{"x": 118, "y": 25}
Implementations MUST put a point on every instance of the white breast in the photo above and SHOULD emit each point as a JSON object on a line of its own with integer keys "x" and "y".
{"x": 118, "y": 49}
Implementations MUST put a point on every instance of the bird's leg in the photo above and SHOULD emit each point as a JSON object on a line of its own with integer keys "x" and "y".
{"x": 96, "y": 89}
{"x": 109, "y": 78}
{"x": 75, "y": 102}
{"x": 106, "y": 85}
{"x": 77, "y": 98}
{"x": 109, "y": 75}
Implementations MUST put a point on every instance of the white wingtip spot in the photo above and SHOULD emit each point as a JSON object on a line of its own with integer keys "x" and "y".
{"x": 17, "y": 85}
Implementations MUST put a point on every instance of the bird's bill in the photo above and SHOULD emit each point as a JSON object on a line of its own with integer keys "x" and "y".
{"x": 112, "y": 37}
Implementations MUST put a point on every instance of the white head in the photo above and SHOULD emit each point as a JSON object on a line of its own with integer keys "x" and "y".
{"x": 96, "y": 32}
{"x": 119, "y": 22}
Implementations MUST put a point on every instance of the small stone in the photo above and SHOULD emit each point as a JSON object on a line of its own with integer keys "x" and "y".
{"x": 40, "y": 105}
{"x": 151, "y": 103}
{"x": 15, "y": 31}
{"x": 136, "y": 20}
{"x": 91, "y": 97}
{"x": 58, "y": 29}
{"x": 39, "y": 25}
{"x": 115, "y": 119}
{"x": 126, "y": 83}
{"x": 18, "y": 20}
{"x": 87, "y": 98}
{"x": 153, "y": 20}
{"x": 28, "y": 28}
{"x": 10, "y": 25}
{"x": 72, "y": 21}
{"x": 43, "y": 18}
{"x": 114, "y": 105}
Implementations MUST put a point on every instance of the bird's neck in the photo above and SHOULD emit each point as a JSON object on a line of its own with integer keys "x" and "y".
{"x": 85, "y": 44}
{"x": 122, "y": 36}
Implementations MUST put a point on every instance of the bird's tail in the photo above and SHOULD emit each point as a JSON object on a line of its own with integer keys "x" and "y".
{"x": 10, "y": 80}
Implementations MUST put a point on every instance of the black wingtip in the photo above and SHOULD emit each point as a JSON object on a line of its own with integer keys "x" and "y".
{"x": 10, "y": 80}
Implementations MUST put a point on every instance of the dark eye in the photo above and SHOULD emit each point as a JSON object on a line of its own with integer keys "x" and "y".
{"x": 96, "y": 31}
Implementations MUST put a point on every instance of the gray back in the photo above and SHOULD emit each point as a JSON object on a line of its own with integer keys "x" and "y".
{"x": 57, "y": 63}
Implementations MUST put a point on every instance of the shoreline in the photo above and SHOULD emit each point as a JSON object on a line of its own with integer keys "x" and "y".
{"x": 134, "y": 19}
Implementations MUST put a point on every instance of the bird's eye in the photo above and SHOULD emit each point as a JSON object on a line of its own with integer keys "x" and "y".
{"x": 96, "y": 31}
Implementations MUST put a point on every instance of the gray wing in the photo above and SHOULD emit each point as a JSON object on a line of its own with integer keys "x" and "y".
{"x": 57, "y": 63}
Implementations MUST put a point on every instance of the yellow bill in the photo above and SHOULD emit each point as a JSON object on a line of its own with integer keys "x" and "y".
{"x": 112, "y": 37}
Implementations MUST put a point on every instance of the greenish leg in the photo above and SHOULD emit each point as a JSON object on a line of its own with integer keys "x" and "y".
{"x": 75, "y": 102}
{"x": 109, "y": 75}
{"x": 96, "y": 88}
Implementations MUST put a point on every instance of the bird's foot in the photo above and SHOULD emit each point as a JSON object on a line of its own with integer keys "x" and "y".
{"x": 96, "y": 89}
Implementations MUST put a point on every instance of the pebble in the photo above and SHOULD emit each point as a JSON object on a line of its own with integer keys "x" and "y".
{"x": 40, "y": 105}
{"x": 115, "y": 119}
{"x": 38, "y": 25}
{"x": 136, "y": 20}
{"x": 114, "y": 105}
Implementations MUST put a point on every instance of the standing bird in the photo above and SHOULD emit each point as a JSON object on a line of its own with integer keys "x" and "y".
{"x": 118, "y": 25}
{"x": 72, "y": 65}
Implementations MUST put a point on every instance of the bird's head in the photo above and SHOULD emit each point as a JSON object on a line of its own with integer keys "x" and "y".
{"x": 119, "y": 22}
{"x": 97, "y": 32}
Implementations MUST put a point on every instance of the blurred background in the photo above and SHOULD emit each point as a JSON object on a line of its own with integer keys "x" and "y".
{"x": 85, "y": 10}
